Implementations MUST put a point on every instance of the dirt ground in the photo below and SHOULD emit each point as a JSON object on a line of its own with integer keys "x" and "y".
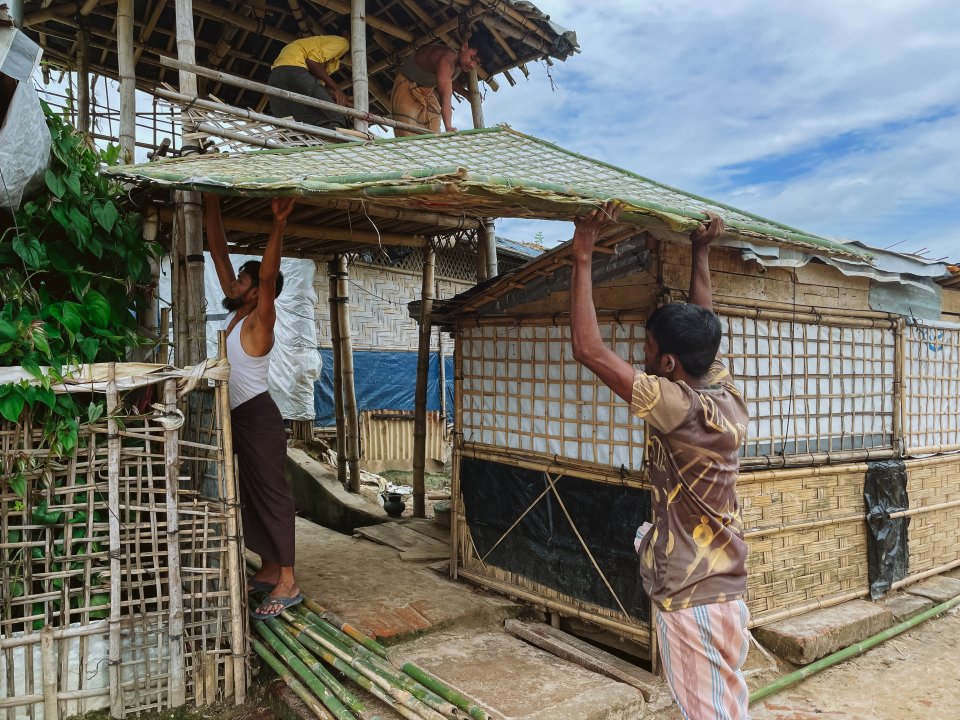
{"x": 914, "y": 676}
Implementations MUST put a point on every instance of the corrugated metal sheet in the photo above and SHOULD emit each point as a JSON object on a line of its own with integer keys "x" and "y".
{"x": 386, "y": 437}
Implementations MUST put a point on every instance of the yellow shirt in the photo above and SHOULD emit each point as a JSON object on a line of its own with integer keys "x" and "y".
{"x": 326, "y": 49}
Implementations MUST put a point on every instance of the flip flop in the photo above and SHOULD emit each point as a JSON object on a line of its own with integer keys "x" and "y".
{"x": 284, "y": 603}
{"x": 255, "y": 586}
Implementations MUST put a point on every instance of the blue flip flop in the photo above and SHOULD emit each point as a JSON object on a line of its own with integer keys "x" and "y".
{"x": 284, "y": 603}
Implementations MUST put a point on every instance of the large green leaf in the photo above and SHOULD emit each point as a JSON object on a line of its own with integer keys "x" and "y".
{"x": 97, "y": 307}
{"x": 71, "y": 317}
{"x": 11, "y": 406}
{"x": 55, "y": 183}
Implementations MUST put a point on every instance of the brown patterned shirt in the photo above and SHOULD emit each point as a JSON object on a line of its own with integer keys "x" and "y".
{"x": 695, "y": 554}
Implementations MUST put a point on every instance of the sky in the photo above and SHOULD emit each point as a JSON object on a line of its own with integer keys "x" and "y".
{"x": 839, "y": 117}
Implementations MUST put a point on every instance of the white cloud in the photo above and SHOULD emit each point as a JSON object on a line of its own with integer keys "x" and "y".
{"x": 846, "y": 116}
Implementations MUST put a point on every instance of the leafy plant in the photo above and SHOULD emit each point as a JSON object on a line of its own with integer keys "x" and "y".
{"x": 75, "y": 274}
{"x": 74, "y": 271}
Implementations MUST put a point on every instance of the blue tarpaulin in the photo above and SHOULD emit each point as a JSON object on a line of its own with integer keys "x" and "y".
{"x": 383, "y": 381}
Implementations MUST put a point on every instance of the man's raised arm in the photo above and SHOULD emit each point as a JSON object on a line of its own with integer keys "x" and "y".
{"x": 701, "y": 287}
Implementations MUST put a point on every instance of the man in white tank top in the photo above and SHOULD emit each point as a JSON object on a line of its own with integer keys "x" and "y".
{"x": 259, "y": 437}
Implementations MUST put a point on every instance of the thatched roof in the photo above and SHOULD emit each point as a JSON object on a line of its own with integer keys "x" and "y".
{"x": 493, "y": 172}
{"x": 244, "y": 38}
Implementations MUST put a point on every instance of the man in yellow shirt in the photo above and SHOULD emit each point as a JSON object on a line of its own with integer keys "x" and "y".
{"x": 304, "y": 66}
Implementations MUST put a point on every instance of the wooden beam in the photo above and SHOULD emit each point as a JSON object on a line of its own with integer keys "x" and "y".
{"x": 343, "y": 8}
{"x": 420, "y": 393}
{"x": 314, "y": 232}
{"x": 217, "y": 12}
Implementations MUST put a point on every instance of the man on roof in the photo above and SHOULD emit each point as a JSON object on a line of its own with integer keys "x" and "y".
{"x": 692, "y": 556}
{"x": 426, "y": 82}
{"x": 305, "y": 66}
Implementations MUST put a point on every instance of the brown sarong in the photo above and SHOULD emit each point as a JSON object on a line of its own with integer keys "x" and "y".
{"x": 266, "y": 505}
{"x": 414, "y": 104}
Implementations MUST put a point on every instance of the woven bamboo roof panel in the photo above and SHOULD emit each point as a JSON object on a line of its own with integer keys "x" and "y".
{"x": 492, "y": 172}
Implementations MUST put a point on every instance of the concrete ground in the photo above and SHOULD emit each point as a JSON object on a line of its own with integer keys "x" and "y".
{"x": 455, "y": 631}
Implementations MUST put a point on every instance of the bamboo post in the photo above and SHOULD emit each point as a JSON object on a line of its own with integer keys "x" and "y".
{"x": 113, "y": 522}
{"x": 455, "y": 499}
{"x": 48, "y": 665}
{"x": 487, "y": 234}
{"x": 420, "y": 396}
{"x": 195, "y": 347}
{"x": 171, "y": 439}
{"x": 358, "y": 44}
{"x": 442, "y": 373}
{"x": 337, "y": 370}
{"x": 238, "y": 635}
{"x": 128, "y": 81}
{"x": 349, "y": 391}
{"x": 83, "y": 78}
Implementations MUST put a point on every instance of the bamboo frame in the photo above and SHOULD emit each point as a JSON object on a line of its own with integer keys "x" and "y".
{"x": 420, "y": 394}
{"x": 349, "y": 391}
{"x": 178, "y": 690}
{"x": 113, "y": 505}
{"x": 336, "y": 342}
{"x": 358, "y": 50}
{"x": 128, "y": 81}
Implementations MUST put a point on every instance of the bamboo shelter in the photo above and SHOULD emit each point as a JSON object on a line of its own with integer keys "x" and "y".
{"x": 120, "y": 561}
{"x": 851, "y": 395}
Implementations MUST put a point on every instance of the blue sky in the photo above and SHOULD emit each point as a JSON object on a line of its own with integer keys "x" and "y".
{"x": 840, "y": 118}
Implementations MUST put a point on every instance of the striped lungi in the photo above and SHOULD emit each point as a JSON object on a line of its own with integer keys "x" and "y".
{"x": 703, "y": 649}
{"x": 266, "y": 505}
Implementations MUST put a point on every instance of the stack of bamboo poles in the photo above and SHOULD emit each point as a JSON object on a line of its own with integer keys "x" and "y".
{"x": 305, "y": 642}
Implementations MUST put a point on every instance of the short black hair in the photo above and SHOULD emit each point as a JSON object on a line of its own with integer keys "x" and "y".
{"x": 690, "y": 332}
{"x": 252, "y": 268}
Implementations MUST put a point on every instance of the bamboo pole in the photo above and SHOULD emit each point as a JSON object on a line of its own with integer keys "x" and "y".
{"x": 48, "y": 665}
{"x": 401, "y": 701}
{"x": 394, "y": 213}
{"x": 304, "y": 230}
{"x": 269, "y": 632}
{"x": 420, "y": 394}
{"x": 442, "y": 372}
{"x": 128, "y": 81}
{"x": 189, "y": 99}
{"x": 337, "y": 347}
{"x": 368, "y": 663}
{"x": 435, "y": 684}
{"x": 83, "y": 79}
{"x": 113, "y": 521}
{"x": 307, "y": 100}
{"x": 178, "y": 688}
{"x": 335, "y": 696}
{"x": 196, "y": 341}
{"x": 238, "y": 635}
{"x": 358, "y": 50}
{"x": 349, "y": 390}
{"x": 341, "y": 7}
{"x": 284, "y": 674}
{"x": 851, "y": 651}
{"x": 346, "y": 628}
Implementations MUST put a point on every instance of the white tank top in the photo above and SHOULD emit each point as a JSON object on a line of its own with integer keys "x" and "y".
{"x": 248, "y": 374}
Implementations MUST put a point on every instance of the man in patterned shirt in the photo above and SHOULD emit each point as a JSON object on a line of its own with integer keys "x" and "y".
{"x": 692, "y": 560}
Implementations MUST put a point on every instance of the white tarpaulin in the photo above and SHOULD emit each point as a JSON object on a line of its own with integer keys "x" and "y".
{"x": 295, "y": 362}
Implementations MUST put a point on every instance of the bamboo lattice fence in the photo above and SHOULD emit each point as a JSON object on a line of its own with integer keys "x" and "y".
{"x": 120, "y": 566}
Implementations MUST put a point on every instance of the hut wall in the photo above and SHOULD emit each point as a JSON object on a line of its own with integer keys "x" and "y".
{"x": 835, "y": 389}
{"x": 107, "y": 551}
{"x": 950, "y": 305}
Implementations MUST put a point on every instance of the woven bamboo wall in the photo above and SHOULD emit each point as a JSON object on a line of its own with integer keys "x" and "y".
{"x": 933, "y": 486}
{"x": 379, "y": 295}
{"x": 806, "y": 534}
{"x": 100, "y": 608}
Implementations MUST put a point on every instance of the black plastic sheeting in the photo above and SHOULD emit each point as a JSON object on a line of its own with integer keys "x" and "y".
{"x": 543, "y": 546}
{"x": 885, "y": 492}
